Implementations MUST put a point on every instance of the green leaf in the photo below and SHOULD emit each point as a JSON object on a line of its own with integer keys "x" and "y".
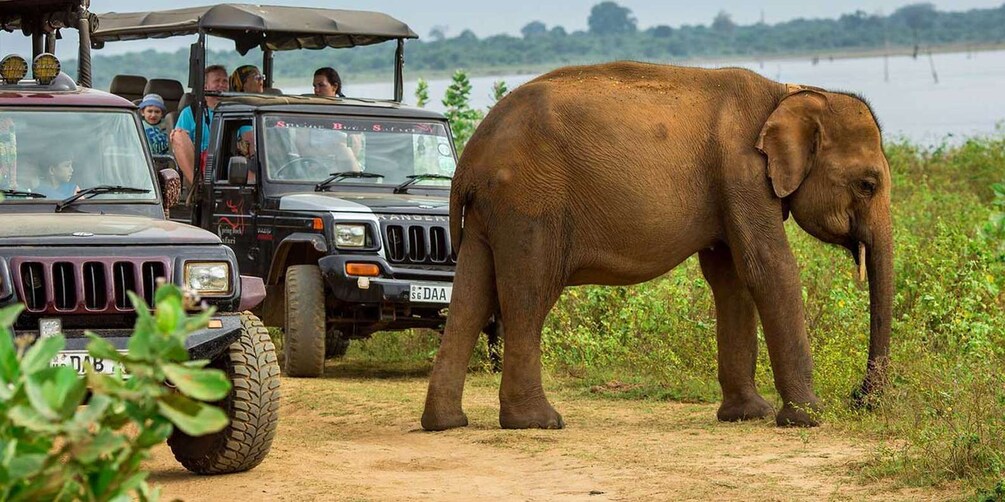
{"x": 149, "y": 495}
{"x": 168, "y": 313}
{"x": 105, "y": 442}
{"x": 192, "y": 417}
{"x": 198, "y": 363}
{"x": 9, "y": 369}
{"x": 154, "y": 434}
{"x": 133, "y": 483}
{"x": 145, "y": 323}
{"x": 141, "y": 344}
{"x": 168, "y": 291}
{"x": 92, "y": 412}
{"x": 103, "y": 349}
{"x": 40, "y": 355}
{"x": 9, "y": 314}
{"x": 25, "y": 465}
{"x": 198, "y": 321}
{"x": 55, "y": 392}
{"x": 202, "y": 384}
{"x": 31, "y": 419}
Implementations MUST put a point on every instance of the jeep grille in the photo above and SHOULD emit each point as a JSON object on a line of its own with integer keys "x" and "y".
{"x": 56, "y": 285}
{"x": 417, "y": 244}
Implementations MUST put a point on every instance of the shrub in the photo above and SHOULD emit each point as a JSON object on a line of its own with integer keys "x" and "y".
{"x": 463, "y": 119}
{"x": 56, "y": 444}
{"x": 421, "y": 93}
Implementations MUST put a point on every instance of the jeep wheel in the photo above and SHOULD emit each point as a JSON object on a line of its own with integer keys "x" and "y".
{"x": 336, "y": 344}
{"x": 304, "y": 329}
{"x": 252, "y": 406}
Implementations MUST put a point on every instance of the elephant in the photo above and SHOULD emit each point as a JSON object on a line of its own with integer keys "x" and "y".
{"x": 613, "y": 174}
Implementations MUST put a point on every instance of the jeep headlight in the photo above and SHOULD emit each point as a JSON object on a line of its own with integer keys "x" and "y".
{"x": 350, "y": 235}
{"x": 208, "y": 277}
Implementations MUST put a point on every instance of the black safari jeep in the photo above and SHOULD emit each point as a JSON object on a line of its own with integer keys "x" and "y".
{"x": 341, "y": 204}
{"x": 82, "y": 222}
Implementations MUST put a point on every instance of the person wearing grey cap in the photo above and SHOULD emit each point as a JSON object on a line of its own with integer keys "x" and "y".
{"x": 152, "y": 108}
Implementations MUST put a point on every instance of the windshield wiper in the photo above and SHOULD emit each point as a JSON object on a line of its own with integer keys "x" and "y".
{"x": 21, "y": 193}
{"x": 335, "y": 177}
{"x": 415, "y": 178}
{"x": 87, "y": 193}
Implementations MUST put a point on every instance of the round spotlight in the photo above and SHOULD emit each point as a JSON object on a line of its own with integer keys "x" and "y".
{"x": 13, "y": 68}
{"x": 44, "y": 68}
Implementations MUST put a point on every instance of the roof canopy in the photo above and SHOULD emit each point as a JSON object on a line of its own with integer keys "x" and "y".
{"x": 250, "y": 26}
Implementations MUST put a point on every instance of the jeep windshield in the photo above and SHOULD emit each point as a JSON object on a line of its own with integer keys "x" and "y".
{"x": 50, "y": 155}
{"x": 309, "y": 149}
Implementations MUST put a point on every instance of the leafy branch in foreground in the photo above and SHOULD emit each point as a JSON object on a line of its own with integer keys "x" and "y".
{"x": 56, "y": 446}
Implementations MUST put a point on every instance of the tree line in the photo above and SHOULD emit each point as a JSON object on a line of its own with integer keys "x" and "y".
{"x": 612, "y": 33}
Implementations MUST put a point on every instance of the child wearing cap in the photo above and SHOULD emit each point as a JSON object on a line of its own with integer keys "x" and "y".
{"x": 152, "y": 108}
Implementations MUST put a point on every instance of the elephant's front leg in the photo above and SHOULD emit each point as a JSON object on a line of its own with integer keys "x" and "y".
{"x": 736, "y": 334}
{"x": 766, "y": 265}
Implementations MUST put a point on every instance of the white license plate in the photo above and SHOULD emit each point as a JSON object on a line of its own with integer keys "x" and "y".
{"x": 76, "y": 358}
{"x": 430, "y": 293}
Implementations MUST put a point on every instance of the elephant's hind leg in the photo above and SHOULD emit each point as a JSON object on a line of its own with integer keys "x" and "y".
{"x": 736, "y": 334}
{"x": 529, "y": 280}
{"x": 472, "y": 303}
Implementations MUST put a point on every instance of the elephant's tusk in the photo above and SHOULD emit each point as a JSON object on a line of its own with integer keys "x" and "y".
{"x": 861, "y": 261}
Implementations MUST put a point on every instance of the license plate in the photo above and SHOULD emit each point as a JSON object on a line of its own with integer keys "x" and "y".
{"x": 430, "y": 293}
{"x": 76, "y": 358}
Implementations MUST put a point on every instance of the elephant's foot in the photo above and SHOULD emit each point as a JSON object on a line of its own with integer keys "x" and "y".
{"x": 535, "y": 415}
{"x": 750, "y": 407}
{"x": 802, "y": 415}
{"x": 440, "y": 420}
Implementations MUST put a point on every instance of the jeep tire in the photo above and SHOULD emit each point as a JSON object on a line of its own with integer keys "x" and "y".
{"x": 336, "y": 344}
{"x": 304, "y": 327}
{"x": 252, "y": 407}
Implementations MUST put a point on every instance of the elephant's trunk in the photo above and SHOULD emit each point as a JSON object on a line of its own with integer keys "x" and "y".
{"x": 879, "y": 265}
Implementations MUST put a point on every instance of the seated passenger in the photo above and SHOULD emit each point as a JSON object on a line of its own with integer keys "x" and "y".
{"x": 152, "y": 107}
{"x": 327, "y": 83}
{"x": 183, "y": 136}
{"x": 247, "y": 78}
{"x": 56, "y": 182}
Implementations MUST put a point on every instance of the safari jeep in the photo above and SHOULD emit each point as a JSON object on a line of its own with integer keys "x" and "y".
{"x": 339, "y": 204}
{"x": 82, "y": 223}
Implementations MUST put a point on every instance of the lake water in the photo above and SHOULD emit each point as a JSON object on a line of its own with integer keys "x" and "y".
{"x": 967, "y": 100}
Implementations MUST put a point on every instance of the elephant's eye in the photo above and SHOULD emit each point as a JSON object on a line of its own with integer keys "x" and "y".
{"x": 867, "y": 187}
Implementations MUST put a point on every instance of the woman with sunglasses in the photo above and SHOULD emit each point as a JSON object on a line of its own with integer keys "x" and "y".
{"x": 247, "y": 78}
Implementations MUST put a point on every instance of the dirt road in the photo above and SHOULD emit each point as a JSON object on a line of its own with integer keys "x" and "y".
{"x": 355, "y": 435}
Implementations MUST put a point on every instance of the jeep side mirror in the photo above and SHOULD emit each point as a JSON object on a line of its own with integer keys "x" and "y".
{"x": 170, "y": 187}
{"x": 237, "y": 170}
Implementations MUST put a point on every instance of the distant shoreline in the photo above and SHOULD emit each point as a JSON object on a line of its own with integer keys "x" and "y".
{"x": 501, "y": 71}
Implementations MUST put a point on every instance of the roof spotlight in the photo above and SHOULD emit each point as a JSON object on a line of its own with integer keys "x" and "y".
{"x": 13, "y": 68}
{"x": 45, "y": 67}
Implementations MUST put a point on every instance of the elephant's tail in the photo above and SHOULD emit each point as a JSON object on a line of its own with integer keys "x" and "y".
{"x": 460, "y": 197}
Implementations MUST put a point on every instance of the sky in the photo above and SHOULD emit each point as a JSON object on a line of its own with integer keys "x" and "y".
{"x": 486, "y": 18}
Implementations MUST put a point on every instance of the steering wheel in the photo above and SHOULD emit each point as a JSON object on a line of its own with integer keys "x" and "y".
{"x": 302, "y": 163}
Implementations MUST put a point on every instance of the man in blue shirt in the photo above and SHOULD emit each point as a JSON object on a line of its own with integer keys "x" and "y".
{"x": 183, "y": 136}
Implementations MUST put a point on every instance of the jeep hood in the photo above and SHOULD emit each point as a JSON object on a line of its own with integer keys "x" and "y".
{"x": 356, "y": 202}
{"x": 80, "y": 229}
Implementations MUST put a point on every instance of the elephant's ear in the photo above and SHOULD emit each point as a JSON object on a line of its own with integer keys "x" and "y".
{"x": 790, "y": 137}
